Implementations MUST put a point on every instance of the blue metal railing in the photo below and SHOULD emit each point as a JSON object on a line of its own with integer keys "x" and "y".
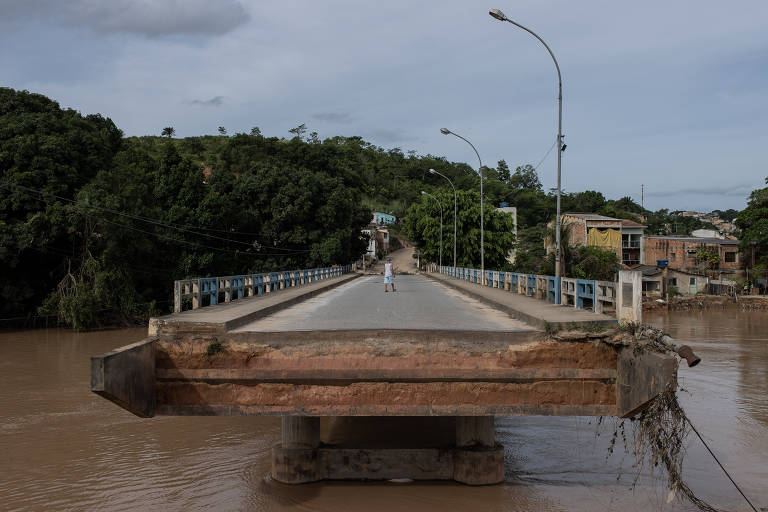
{"x": 207, "y": 291}
{"x": 580, "y": 293}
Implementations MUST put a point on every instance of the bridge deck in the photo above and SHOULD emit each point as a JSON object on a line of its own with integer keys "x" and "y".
{"x": 418, "y": 303}
{"x": 226, "y": 317}
{"x": 537, "y": 313}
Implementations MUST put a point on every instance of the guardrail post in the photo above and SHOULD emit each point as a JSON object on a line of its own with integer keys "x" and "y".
{"x": 197, "y": 290}
{"x": 629, "y": 296}
{"x": 177, "y": 296}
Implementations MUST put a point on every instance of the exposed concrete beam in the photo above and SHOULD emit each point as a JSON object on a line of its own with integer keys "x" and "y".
{"x": 126, "y": 376}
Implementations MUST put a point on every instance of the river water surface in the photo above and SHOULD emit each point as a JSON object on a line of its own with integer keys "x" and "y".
{"x": 64, "y": 448}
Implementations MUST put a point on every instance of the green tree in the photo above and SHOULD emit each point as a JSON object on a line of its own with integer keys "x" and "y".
{"x": 503, "y": 169}
{"x": 565, "y": 245}
{"x": 709, "y": 259}
{"x": 168, "y": 131}
{"x": 46, "y": 155}
{"x": 593, "y": 263}
{"x": 222, "y": 130}
{"x": 753, "y": 223}
{"x": 627, "y": 204}
{"x": 589, "y": 201}
{"x": 525, "y": 177}
{"x": 727, "y": 215}
{"x": 530, "y": 253}
{"x": 299, "y": 131}
{"x": 422, "y": 226}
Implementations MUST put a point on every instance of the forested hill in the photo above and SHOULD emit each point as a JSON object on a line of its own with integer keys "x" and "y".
{"x": 95, "y": 226}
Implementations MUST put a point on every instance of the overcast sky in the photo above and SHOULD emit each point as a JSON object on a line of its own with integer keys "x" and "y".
{"x": 673, "y": 95}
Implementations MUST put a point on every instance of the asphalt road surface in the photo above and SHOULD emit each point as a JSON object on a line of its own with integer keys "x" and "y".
{"x": 418, "y": 303}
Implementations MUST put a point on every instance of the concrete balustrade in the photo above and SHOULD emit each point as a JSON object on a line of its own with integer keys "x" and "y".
{"x": 247, "y": 285}
{"x": 605, "y": 296}
{"x": 592, "y": 295}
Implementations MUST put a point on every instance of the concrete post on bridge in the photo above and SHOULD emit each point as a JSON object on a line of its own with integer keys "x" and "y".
{"x": 629, "y": 297}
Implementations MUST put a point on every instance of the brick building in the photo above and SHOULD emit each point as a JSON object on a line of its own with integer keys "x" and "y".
{"x": 680, "y": 252}
{"x": 622, "y": 236}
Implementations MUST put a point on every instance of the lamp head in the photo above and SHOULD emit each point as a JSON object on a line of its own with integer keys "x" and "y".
{"x": 432, "y": 171}
{"x": 497, "y": 14}
{"x": 445, "y": 131}
{"x": 423, "y": 193}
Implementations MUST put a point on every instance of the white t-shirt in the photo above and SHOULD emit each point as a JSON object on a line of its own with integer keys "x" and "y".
{"x": 387, "y": 269}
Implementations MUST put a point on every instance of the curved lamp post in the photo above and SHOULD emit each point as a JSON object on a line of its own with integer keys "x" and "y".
{"x": 441, "y": 223}
{"x": 446, "y": 131}
{"x": 560, "y": 146}
{"x": 432, "y": 171}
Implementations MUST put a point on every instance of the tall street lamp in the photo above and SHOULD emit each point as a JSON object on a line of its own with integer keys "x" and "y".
{"x": 560, "y": 146}
{"x": 432, "y": 171}
{"x": 441, "y": 223}
{"x": 446, "y": 131}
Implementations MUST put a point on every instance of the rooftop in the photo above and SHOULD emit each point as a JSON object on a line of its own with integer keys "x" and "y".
{"x": 653, "y": 270}
{"x": 695, "y": 240}
{"x": 597, "y": 217}
{"x": 647, "y": 270}
{"x": 590, "y": 216}
{"x": 632, "y": 224}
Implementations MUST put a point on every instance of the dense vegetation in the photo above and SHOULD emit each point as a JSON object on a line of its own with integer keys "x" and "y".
{"x": 423, "y": 229}
{"x": 753, "y": 223}
{"x": 94, "y": 226}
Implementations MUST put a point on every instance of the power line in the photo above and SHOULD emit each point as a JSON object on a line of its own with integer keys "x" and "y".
{"x": 719, "y": 464}
{"x": 155, "y": 222}
{"x": 545, "y": 156}
{"x": 116, "y": 212}
{"x": 192, "y": 244}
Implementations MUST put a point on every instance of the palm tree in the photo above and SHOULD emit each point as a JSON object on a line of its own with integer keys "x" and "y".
{"x": 565, "y": 238}
{"x": 168, "y": 131}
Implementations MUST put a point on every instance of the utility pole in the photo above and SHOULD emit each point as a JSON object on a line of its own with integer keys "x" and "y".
{"x": 642, "y": 196}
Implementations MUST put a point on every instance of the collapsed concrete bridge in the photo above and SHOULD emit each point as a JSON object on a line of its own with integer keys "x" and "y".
{"x": 341, "y": 350}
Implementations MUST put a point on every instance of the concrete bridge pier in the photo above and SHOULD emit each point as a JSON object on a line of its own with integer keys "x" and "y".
{"x": 477, "y": 458}
{"x": 472, "y": 457}
{"x": 295, "y": 460}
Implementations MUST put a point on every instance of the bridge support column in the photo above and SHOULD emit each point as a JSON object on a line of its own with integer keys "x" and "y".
{"x": 295, "y": 460}
{"x": 477, "y": 459}
{"x": 474, "y": 458}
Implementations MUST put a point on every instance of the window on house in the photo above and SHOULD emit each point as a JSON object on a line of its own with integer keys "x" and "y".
{"x": 730, "y": 257}
{"x": 692, "y": 282}
{"x": 672, "y": 256}
{"x": 673, "y": 281}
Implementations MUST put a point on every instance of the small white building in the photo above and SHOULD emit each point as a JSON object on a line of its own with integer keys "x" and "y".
{"x": 370, "y": 252}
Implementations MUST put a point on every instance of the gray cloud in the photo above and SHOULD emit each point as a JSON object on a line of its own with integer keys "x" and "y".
{"x": 149, "y": 18}
{"x": 722, "y": 190}
{"x": 216, "y": 101}
{"x": 333, "y": 117}
{"x": 389, "y": 136}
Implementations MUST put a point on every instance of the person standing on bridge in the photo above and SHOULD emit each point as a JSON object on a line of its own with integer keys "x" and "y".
{"x": 389, "y": 275}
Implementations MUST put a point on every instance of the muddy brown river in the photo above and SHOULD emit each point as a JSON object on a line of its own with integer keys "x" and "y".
{"x": 64, "y": 448}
